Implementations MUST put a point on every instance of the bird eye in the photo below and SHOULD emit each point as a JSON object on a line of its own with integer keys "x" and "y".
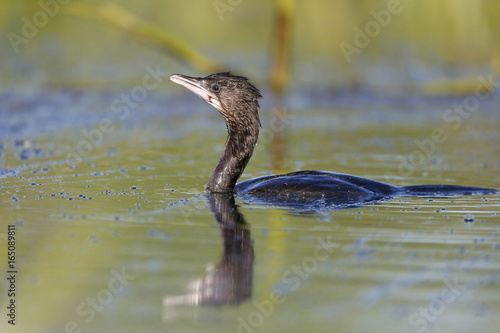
{"x": 215, "y": 87}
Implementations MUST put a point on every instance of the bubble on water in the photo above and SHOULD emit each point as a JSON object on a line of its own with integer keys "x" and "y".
{"x": 360, "y": 241}
{"x": 24, "y": 154}
{"x": 364, "y": 253}
{"x": 325, "y": 218}
{"x": 154, "y": 265}
{"x": 469, "y": 218}
{"x": 158, "y": 234}
{"x": 93, "y": 238}
{"x": 283, "y": 288}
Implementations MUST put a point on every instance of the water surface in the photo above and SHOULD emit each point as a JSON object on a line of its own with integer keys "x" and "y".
{"x": 115, "y": 233}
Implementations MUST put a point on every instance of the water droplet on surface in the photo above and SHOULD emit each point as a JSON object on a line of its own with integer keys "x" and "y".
{"x": 469, "y": 218}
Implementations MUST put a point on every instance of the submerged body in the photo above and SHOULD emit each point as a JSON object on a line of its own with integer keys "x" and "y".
{"x": 337, "y": 189}
{"x": 237, "y": 100}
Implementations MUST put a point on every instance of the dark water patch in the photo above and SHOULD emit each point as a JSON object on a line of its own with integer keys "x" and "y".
{"x": 47, "y": 111}
{"x": 24, "y": 115}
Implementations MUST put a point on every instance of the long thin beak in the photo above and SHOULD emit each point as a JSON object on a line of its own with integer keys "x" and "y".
{"x": 194, "y": 84}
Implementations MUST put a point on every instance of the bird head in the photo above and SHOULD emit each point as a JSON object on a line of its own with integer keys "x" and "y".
{"x": 233, "y": 96}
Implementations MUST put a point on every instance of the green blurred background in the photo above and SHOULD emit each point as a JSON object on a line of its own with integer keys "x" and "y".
{"x": 425, "y": 42}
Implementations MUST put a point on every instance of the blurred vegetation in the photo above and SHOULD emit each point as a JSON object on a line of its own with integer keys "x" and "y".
{"x": 428, "y": 41}
{"x": 119, "y": 17}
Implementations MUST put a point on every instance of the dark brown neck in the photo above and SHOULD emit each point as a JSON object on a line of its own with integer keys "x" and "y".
{"x": 238, "y": 149}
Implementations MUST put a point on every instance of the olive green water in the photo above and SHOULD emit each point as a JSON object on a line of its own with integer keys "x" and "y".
{"x": 110, "y": 239}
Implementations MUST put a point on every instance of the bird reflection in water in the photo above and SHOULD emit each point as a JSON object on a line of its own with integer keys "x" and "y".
{"x": 230, "y": 281}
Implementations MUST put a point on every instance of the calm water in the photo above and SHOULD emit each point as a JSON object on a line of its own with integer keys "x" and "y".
{"x": 114, "y": 232}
